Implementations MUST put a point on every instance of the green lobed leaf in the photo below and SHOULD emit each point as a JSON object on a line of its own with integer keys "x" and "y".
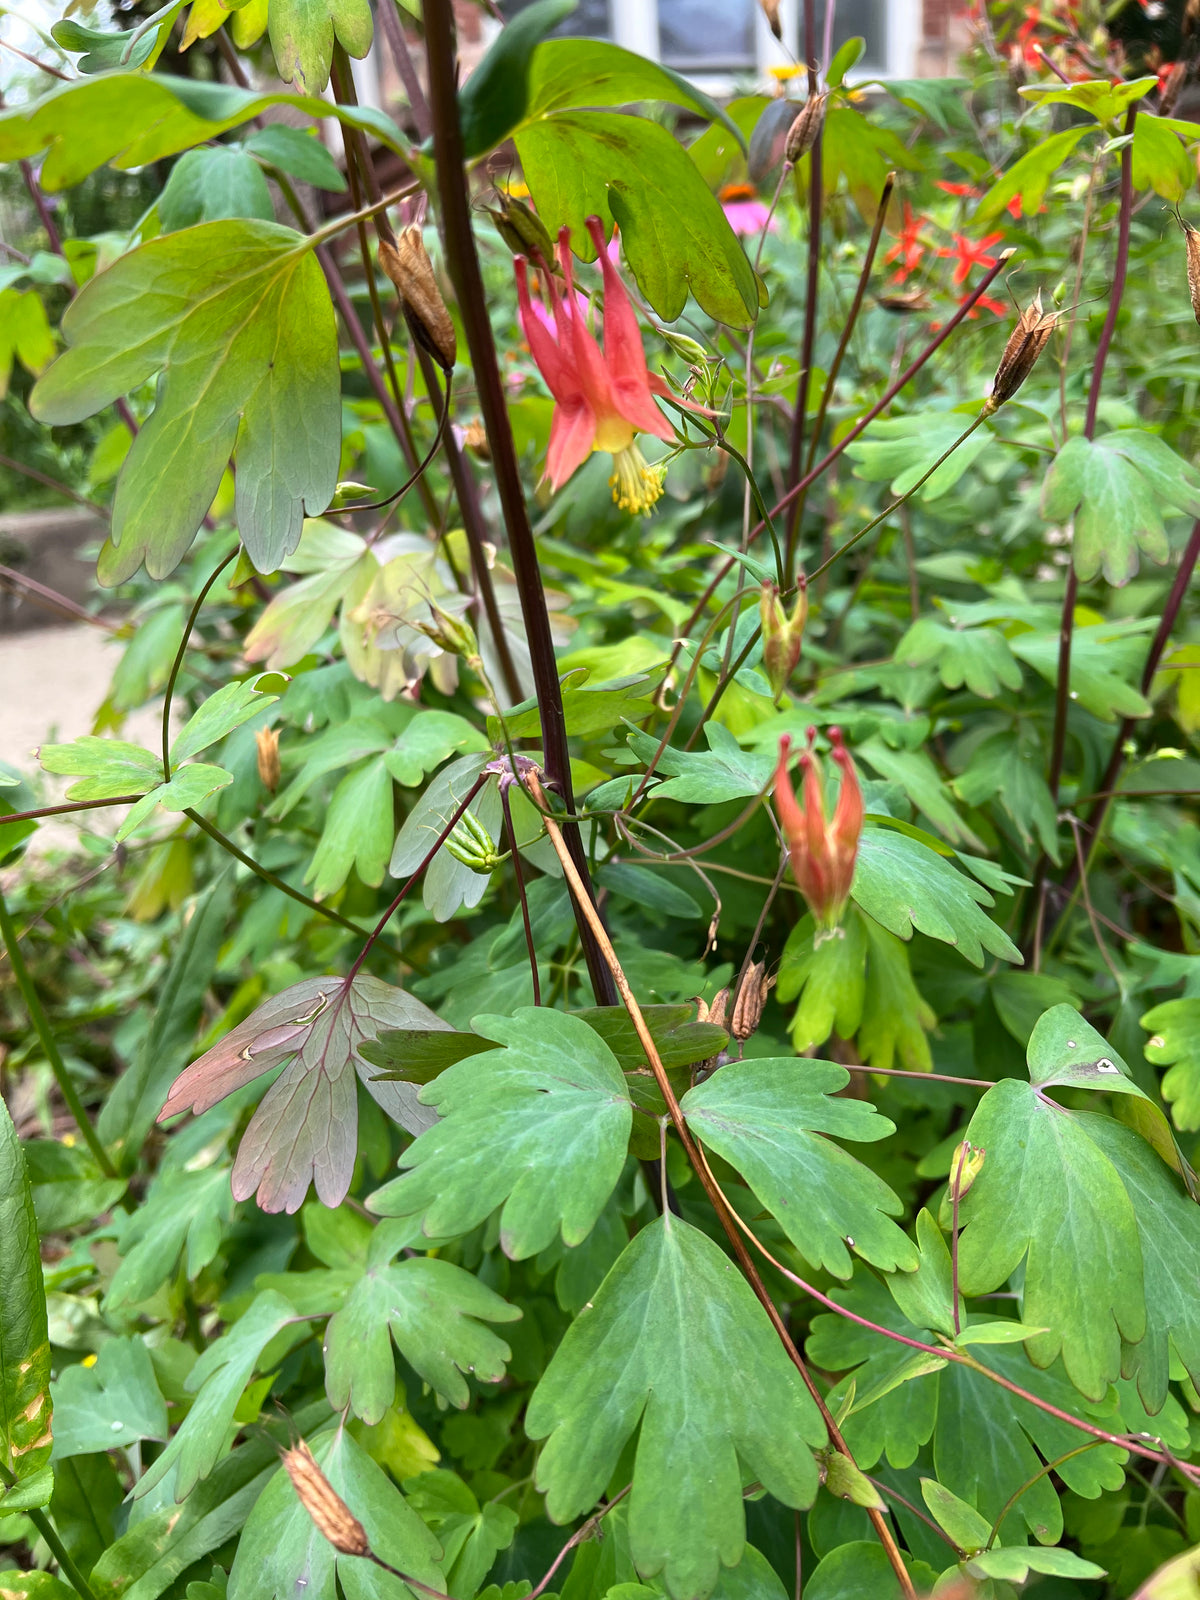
{"x": 1048, "y": 1196}
{"x": 1115, "y": 488}
{"x": 132, "y": 120}
{"x": 1029, "y": 176}
{"x": 471, "y": 1535}
{"x": 1175, "y": 1044}
{"x": 904, "y": 885}
{"x": 1101, "y": 98}
{"x": 566, "y": 73}
{"x": 707, "y": 777}
{"x": 25, "y": 1406}
{"x": 108, "y": 767}
{"x": 674, "y": 234}
{"x": 670, "y": 1324}
{"x": 281, "y": 1553}
{"x": 207, "y": 185}
{"x": 554, "y": 1114}
{"x": 298, "y": 153}
{"x": 237, "y": 317}
{"x": 303, "y": 34}
{"x": 766, "y": 1117}
{"x": 109, "y": 1405}
{"x": 187, "y": 788}
{"x": 1103, "y": 658}
{"x": 901, "y": 450}
{"x": 493, "y": 100}
{"x": 433, "y": 1310}
{"x": 221, "y": 713}
{"x": 969, "y": 1531}
{"x": 977, "y": 657}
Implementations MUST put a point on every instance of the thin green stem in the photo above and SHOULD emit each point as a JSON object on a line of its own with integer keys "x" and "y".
{"x": 1047, "y": 1468}
{"x": 178, "y": 661}
{"x": 41, "y": 1026}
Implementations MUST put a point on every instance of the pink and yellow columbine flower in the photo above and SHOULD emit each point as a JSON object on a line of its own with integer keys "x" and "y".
{"x": 602, "y": 397}
{"x": 823, "y": 849}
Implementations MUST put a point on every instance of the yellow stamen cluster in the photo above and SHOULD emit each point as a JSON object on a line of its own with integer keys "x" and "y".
{"x": 636, "y": 485}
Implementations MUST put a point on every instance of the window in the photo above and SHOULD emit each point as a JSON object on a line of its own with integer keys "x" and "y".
{"x": 719, "y": 42}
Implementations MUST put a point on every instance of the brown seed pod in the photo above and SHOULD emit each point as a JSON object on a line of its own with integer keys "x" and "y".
{"x": 407, "y": 264}
{"x": 267, "y": 740}
{"x": 802, "y": 134}
{"x": 907, "y": 300}
{"x": 770, "y": 10}
{"x": 1191, "y": 239}
{"x": 329, "y": 1512}
{"x": 1025, "y": 344}
{"x": 751, "y": 998}
{"x": 476, "y": 440}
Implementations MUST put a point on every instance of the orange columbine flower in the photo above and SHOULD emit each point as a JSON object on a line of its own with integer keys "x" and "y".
{"x": 971, "y": 253}
{"x": 602, "y": 398}
{"x": 823, "y": 849}
{"x": 909, "y": 248}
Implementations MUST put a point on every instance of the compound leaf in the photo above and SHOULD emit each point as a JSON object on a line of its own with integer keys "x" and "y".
{"x": 1046, "y": 1194}
{"x": 1175, "y": 1044}
{"x": 904, "y": 885}
{"x": 766, "y": 1117}
{"x": 435, "y": 1312}
{"x": 237, "y": 318}
{"x": 675, "y": 1340}
{"x": 1115, "y": 488}
{"x": 978, "y": 657}
{"x": 306, "y": 1128}
{"x": 207, "y": 185}
{"x": 540, "y": 1127}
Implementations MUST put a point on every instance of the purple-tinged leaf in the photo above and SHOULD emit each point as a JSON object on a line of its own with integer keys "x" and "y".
{"x": 306, "y": 1129}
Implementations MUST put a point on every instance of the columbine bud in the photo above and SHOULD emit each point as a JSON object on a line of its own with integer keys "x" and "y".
{"x": 1025, "y": 344}
{"x": 454, "y": 634}
{"x": 965, "y": 1168}
{"x": 472, "y": 844}
{"x": 267, "y": 740}
{"x": 803, "y": 133}
{"x": 782, "y": 635}
{"x": 329, "y": 1512}
{"x": 823, "y": 850}
{"x": 692, "y": 352}
{"x": 522, "y": 230}
{"x": 408, "y": 265}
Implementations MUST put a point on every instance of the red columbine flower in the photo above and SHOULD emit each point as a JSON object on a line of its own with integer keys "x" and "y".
{"x": 602, "y": 398}
{"x": 971, "y": 253}
{"x": 823, "y": 850}
{"x": 909, "y": 247}
{"x": 968, "y": 191}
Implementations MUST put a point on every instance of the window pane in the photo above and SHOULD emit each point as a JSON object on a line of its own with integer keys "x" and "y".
{"x": 706, "y": 34}
{"x": 589, "y": 20}
{"x": 866, "y": 19}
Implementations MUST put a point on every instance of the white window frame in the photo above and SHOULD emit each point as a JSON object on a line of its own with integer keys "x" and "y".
{"x": 634, "y": 24}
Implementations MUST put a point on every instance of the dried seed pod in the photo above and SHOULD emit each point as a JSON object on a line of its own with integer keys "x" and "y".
{"x": 1025, "y": 344}
{"x": 1191, "y": 239}
{"x": 803, "y": 133}
{"x": 407, "y": 264}
{"x": 267, "y": 740}
{"x": 751, "y": 998}
{"x": 476, "y": 440}
{"x": 770, "y": 10}
{"x": 907, "y": 300}
{"x": 329, "y": 1512}
{"x": 714, "y": 1013}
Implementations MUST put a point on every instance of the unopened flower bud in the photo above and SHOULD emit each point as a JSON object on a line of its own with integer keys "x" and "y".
{"x": 522, "y": 230}
{"x": 454, "y": 634}
{"x": 267, "y": 740}
{"x": 348, "y": 493}
{"x": 329, "y": 1512}
{"x": 782, "y": 635}
{"x": 804, "y": 131}
{"x": 1025, "y": 344}
{"x": 407, "y": 264}
{"x": 965, "y": 1168}
{"x": 472, "y": 844}
{"x": 751, "y": 998}
{"x": 823, "y": 849}
{"x": 691, "y": 350}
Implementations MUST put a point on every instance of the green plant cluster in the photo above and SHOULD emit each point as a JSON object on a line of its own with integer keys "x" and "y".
{"x": 439, "y": 1052}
